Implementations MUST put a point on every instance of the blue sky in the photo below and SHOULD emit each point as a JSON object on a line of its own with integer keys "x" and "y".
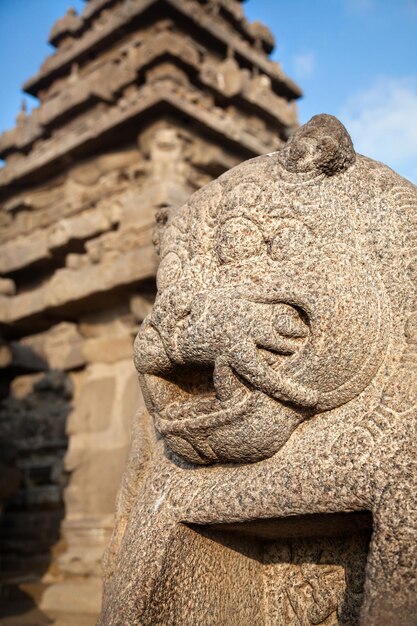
{"x": 356, "y": 59}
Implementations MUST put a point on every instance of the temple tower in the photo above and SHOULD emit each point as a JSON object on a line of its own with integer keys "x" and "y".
{"x": 142, "y": 103}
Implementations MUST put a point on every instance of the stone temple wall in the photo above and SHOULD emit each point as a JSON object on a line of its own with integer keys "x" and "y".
{"x": 141, "y": 104}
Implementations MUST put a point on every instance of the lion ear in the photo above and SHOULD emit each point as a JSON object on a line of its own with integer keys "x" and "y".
{"x": 321, "y": 145}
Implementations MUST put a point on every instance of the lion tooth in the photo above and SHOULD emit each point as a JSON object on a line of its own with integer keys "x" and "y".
{"x": 225, "y": 381}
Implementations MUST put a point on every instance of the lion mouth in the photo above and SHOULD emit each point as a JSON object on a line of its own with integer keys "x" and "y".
{"x": 213, "y": 413}
{"x": 234, "y": 408}
{"x": 195, "y": 398}
{"x": 201, "y": 415}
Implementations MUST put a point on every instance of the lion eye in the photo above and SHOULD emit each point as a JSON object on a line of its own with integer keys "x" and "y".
{"x": 169, "y": 271}
{"x": 238, "y": 239}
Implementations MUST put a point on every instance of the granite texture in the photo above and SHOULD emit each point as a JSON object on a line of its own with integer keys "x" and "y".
{"x": 278, "y": 366}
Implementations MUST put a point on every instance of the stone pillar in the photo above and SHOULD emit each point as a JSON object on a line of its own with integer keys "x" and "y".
{"x": 106, "y": 397}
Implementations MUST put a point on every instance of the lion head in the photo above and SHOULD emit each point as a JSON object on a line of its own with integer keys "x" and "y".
{"x": 281, "y": 292}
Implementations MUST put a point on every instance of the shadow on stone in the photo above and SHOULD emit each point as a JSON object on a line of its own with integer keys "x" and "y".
{"x": 33, "y": 415}
{"x": 311, "y": 568}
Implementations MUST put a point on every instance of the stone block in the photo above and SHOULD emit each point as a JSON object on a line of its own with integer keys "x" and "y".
{"x": 7, "y": 287}
{"x": 6, "y": 356}
{"x": 23, "y": 251}
{"x": 85, "y": 537}
{"x": 61, "y": 347}
{"x": 23, "y": 357}
{"x": 78, "y": 596}
{"x": 108, "y": 349}
{"x": 94, "y": 405}
{"x": 87, "y": 224}
{"x": 106, "y": 323}
{"x": 85, "y": 495}
{"x": 68, "y": 286}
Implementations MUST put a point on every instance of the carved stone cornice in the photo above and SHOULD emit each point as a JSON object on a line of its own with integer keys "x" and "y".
{"x": 69, "y": 25}
{"x": 62, "y": 60}
{"x": 70, "y": 285}
{"x": 167, "y": 92}
{"x": 103, "y": 83}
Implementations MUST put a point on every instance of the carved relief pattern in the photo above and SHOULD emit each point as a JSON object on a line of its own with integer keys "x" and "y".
{"x": 314, "y": 581}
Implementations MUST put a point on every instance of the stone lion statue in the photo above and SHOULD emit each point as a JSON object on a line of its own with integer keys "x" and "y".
{"x": 280, "y": 354}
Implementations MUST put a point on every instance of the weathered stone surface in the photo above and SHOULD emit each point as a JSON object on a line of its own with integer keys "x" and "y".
{"x": 7, "y": 287}
{"x": 32, "y": 430}
{"x": 67, "y": 285}
{"x": 105, "y": 398}
{"x": 279, "y": 366}
{"x": 60, "y": 348}
{"x": 23, "y": 251}
{"x": 105, "y": 323}
{"x": 217, "y": 28}
{"x": 70, "y": 23}
{"x": 190, "y": 102}
{"x": 63, "y": 594}
{"x": 108, "y": 349}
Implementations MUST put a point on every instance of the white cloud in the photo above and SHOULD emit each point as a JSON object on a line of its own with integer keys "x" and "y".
{"x": 382, "y": 121}
{"x": 305, "y": 64}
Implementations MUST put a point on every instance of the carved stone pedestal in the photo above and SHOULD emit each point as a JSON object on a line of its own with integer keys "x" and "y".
{"x": 307, "y": 570}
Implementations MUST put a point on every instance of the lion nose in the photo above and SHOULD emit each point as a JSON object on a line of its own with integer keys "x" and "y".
{"x": 170, "y": 306}
{"x": 150, "y": 356}
{"x": 168, "y": 317}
